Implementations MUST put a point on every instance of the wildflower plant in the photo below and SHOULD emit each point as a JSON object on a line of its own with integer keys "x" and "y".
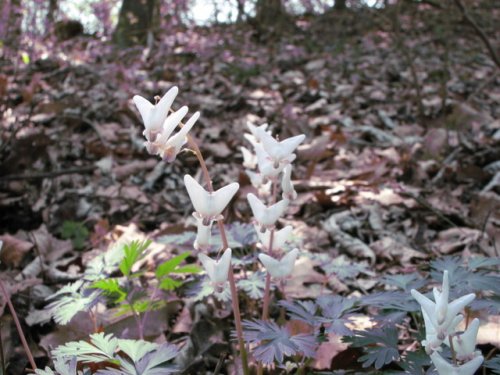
{"x": 264, "y": 337}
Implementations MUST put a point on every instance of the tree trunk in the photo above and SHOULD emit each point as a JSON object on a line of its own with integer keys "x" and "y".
{"x": 268, "y": 12}
{"x": 12, "y": 24}
{"x": 51, "y": 14}
{"x": 340, "y": 5}
{"x": 135, "y": 22}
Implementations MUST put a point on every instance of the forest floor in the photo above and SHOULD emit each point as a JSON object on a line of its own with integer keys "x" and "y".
{"x": 401, "y": 164}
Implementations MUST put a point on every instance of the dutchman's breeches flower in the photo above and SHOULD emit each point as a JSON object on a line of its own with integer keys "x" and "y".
{"x": 203, "y": 233}
{"x": 280, "y": 152}
{"x": 209, "y": 205}
{"x": 286, "y": 184}
{"x": 217, "y": 270}
{"x": 265, "y": 216}
{"x": 441, "y": 319}
{"x": 280, "y": 238}
{"x": 280, "y": 269}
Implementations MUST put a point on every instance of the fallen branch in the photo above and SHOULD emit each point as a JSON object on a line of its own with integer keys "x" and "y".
{"x": 479, "y": 32}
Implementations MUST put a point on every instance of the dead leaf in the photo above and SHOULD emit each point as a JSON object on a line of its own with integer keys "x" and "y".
{"x": 13, "y": 250}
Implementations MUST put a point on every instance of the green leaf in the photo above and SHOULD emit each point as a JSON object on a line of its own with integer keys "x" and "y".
{"x": 133, "y": 252}
{"x": 190, "y": 268}
{"x": 169, "y": 284}
{"x": 25, "y": 57}
{"x": 75, "y": 231}
{"x": 112, "y": 288}
{"x": 170, "y": 265}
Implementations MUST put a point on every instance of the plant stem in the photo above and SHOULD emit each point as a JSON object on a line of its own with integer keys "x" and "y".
{"x": 452, "y": 349}
{"x": 18, "y": 326}
{"x": 232, "y": 284}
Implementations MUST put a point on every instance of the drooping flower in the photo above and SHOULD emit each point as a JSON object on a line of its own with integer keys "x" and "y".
{"x": 209, "y": 205}
{"x": 443, "y": 367}
{"x": 442, "y": 315}
{"x": 280, "y": 152}
{"x": 249, "y": 159}
{"x": 280, "y": 238}
{"x": 280, "y": 269}
{"x": 153, "y": 116}
{"x": 432, "y": 342}
{"x": 256, "y": 132}
{"x": 217, "y": 270}
{"x": 257, "y": 181}
{"x": 465, "y": 343}
{"x": 265, "y": 216}
{"x": 168, "y": 148}
{"x": 286, "y": 184}
{"x": 203, "y": 233}
{"x": 267, "y": 167}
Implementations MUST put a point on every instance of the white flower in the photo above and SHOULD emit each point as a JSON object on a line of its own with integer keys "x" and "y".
{"x": 203, "y": 233}
{"x": 209, "y": 204}
{"x": 266, "y": 216}
{"x": 153, "y": 116}
{"x": 286, "y": 184}
{"x": 249, "y": 159}
{"x": 280, "y": 152}
{"x": 432, "y": 342}
{"x": 280, "y": 269}
{"x": 267, "y": 167}
{"x": 443, "y": 367}
{"x": 217, "y": 270}
{"x": 441, "y": 314}
{"x": 257, "y": 132}
{"x": 168, "y": 148}
{"x": 263, "y": 187}
{"x": 280, "y": 238}
{"x": 465, "y": 344}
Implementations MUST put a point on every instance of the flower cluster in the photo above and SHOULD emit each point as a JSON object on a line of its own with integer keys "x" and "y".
{"x": 441, "y": 319}
{"x": 159, "y": 125}
{"x": 271, "y": 158}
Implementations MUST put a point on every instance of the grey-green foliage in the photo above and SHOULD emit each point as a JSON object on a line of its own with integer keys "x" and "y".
{"x": 115, "y": 356}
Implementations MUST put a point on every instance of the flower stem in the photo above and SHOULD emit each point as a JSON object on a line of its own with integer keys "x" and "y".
{"x": 18, "y": 326}
{"x": 232, "y": 283}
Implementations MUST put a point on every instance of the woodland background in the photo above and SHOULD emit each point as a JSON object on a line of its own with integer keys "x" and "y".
{"x": 399, "y": 100}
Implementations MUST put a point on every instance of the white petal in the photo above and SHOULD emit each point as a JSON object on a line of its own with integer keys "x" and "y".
{"x": 249, "y": 159}
{"x": 442, "y": 299}
{"x": 197, "y": 194}
{"x": 208, "y": 204}
{"x": 161, "y": 109}
{"x": 281, "y": 150}
{"x": 170, "y": 124}
{"x": 465, "y": 344}
{"x": 203, "y": 234}
{"x": 425, "y": 303}
{"x": 174, "y": 144}
{"x": 217, "y": 271}
{"x": 266, "y": 216}
{"x": 223, "y": 196}
{"x": 282, "y": 268}
{"x": 286, "y": 183}
{"x": 144, "y": 106}
{"x": 458, "y": 305}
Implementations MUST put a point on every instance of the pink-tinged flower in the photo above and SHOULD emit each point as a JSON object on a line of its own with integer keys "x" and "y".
{"x": 257, "y": 131}
{"x": 286, "y": 184}
{"x": 280, "y": 152}
{"x": 263, "y": 187}
{"x": 465, "y": 344}
{"x": 203, "y": 233}
{"x": 280, "y": 238}
{"x": 249, "y": 159}
{"x": 168, "y": 148}
{"x": 265, "y": 216}
{"x": 209, "y": 205}
{"x": 217, "y": 270}
{"x": 443, "y": 367}
{"x": 153, "y": 116}
{"x": 267, "y": 167}
{"x": 280, "y": 269}
{"x": 442, "y": 317}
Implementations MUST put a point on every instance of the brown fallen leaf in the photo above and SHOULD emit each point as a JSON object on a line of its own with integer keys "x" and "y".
{"x": 389, "y": 248}
{"x": 13, "y": 250}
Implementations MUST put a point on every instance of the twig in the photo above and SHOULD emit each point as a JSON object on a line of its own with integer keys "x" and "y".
{"x": 40, "y": 175}
{"x": 18, "y": 326}
{"x": 479, "y": 32}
